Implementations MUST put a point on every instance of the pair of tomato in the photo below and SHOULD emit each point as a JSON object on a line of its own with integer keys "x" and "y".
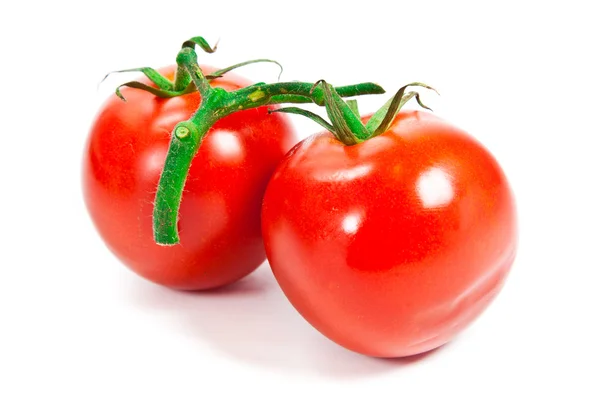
{"x": 388, "y": 247}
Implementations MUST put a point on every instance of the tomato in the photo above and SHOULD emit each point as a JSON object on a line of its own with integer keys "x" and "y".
{"x": 392, "y": 246}
{"x": 219, "y": 220}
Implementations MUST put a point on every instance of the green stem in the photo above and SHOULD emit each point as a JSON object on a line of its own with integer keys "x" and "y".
{"x": 217, "y": 103}
{"x": 182, "y": 79}
{"x": 187, "y": 58}
{"x": 185, "y": 142}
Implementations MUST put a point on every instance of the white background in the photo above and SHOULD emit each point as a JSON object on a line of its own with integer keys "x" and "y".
{"x": 521, "y": 76}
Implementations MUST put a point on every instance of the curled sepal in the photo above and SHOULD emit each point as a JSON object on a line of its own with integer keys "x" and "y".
{"x": 348, "y": 128}
{"x": 417, "y": 96}
{"x": 155, "y": 91}
{"x": 200, "y": 42}
{"x": 221, "y": 72}
{"x": 300, "y": 111}
{"x": 155, "y": 77}
{"x": 353, "y": 104}
{"x": 382, "y": 119}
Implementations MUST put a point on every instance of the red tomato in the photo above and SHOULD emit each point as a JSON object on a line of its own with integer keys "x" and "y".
{"x": 219, "y": 220}
{"x": 392, "y": 246}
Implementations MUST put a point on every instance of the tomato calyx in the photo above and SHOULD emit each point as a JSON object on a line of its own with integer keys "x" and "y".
{"x": 345, "y": 120}
{"x": 182, "y": 83}
{"x": 346, "y": 124}
{"x": 215, "y": 104}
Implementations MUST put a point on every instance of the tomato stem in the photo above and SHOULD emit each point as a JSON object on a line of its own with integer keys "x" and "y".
{"x": 183, "y": 147}
{"x": 187, "y": 58}
{"x": 217, "y": 103}
{"x": 182, "y": 79}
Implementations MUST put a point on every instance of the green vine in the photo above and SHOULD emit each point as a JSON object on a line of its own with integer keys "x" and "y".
{"x": 217, "y": 103}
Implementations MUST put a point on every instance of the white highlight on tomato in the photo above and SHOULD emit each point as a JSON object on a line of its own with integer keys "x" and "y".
{"x": 434, "y": 188}
{"x": 227, "y": 143}
{"x": 351, "y": 223}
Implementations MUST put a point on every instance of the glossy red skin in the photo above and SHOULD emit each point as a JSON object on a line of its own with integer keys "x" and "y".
{"x": 392, "y": 246}
{"x": 219, "y": 220}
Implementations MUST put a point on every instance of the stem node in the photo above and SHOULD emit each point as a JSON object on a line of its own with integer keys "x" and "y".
{"x": 182, "y": 132}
